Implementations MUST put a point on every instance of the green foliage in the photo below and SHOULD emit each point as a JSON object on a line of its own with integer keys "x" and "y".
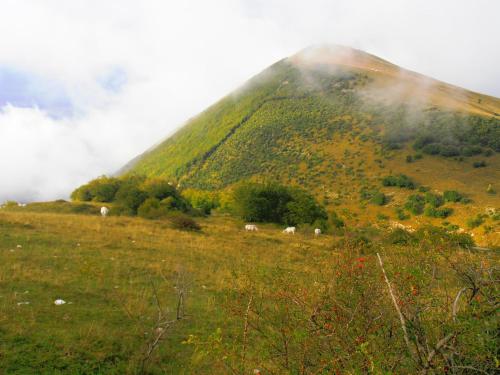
{"x": 132, "y": 195}
{"x": 261, "y": 203}
{"x": 379, "y": 199}
{"x": 471, "y": 150}
{"x": 474, "y": 222}
{"x": 401, "y": 181}
{"x": 433, "y": 200}
{"x": 449, "y": 134}
{"x": 151, "y": 208}
{"x": 276, "y": 203}
{"x": 102, "y": 189}
{"x": 415, "y": 204}
{"x": 182, "y": 221}
{"x": 205, "y": 201}
{"x": 400, "y": 236}
{"x": 303, "y": 208}
{"x": 383, "y": 217}
{"x": 336, "y": 220}
{"x": 374, "y": 196}
{"x": 432, "y": 211}
{"x": 452, "y": 196}
{"x": 159, "y": 189}
{"x": 429, "y": 237}
{"x": 400, "y": 214}
{"x": 423, "y": 189}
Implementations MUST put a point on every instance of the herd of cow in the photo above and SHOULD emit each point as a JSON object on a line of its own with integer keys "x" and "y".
{"x": 288, "y": 230}
{"x": 248, "y": 227}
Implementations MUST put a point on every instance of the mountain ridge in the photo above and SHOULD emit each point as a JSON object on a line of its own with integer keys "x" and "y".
{"x": 318, "y": 57}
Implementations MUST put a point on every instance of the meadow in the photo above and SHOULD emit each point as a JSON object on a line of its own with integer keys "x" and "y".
{"x": 143, "y": 298}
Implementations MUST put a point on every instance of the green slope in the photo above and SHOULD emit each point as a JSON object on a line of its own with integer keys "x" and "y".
{"x": 273, "y": 122}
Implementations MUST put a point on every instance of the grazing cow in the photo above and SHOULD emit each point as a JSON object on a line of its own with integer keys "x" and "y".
{"x": 104, "y": 211}
{"x": 317, "y": 232}
{"x": 251, "y": 227}
{"x": 289, "y": 230}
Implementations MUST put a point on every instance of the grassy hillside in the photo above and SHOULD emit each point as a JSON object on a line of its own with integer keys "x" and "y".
{"x": 336, "y": 121}
{"x": 281, "y": 304}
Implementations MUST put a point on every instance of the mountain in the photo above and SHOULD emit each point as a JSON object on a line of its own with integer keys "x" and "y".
{"x": 336, "y": 120}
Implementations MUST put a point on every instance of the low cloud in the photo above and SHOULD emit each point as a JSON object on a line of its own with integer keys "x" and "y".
{"x": 123, "y": 74}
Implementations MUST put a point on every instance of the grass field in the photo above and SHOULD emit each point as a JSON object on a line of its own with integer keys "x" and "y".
{"x": 104, "y": 268}
{"x": 281, "y": 304}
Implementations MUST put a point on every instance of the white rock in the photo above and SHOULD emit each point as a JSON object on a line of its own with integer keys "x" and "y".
{"x": 23, "y": 303}
{"x": 59, "y": 302}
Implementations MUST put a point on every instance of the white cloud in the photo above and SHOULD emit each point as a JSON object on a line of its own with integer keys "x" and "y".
{"x": 179, "y": 57}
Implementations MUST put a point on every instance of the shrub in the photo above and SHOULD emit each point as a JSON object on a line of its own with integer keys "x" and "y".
{"x": 422, "y": 141}
{"x": 432, "y": 149}
{"x": 434, "y": 200}
{"x": 471, "y": 150}
{"x": 102, "y": 189}
{"x": 429, "y": 236}
{"x": 120, "y": 210}
{"x": 409, "y": 159}
{"x": 204, "y": 201}
{"x": 474, "y": 222}
{"x": 415, "y": 204}
{"x": 479, "y": 164}
{"x": 151, "y": 208}
{"x": 379, "y": 199}
{"x": 129, "y": 195}
{"x": 183, "y": 222}
{"x": 400, "y": 180}
{"x": 383, "y": 217}
{"x": 448, "y": 151}
{"x": 82, "y": 194}
{"x": 159, "y": 189}
{"x": 452, "y": 196}
{"x": 303, "y": 208}
{"x": 261, "y": 203}
{"x": 336, "y": 221}
{"x": 84, "y": 209}
{"x": 400, "y": 236}
{"x": 276, "y": 203}
{"x": 438, "y": 212}
{"x": 401, "y": 215}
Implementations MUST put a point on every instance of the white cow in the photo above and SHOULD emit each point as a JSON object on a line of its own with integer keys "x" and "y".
{"x": 104, "y": 211}
{"x": 317, "y": 232}
{"x": 251, "y": 227}
{"x": 289, "y": 230}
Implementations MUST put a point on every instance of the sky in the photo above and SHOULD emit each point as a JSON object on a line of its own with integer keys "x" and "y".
{"x": 86, "y": 85}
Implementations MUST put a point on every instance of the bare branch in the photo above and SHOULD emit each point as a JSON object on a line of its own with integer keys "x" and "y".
{"x": 438, "y": 347}
{"x": 396, "y": 306}
{"x": 455, "y": 303}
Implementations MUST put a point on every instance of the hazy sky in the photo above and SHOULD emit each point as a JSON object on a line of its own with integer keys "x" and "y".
{"x": 85, "y": 85}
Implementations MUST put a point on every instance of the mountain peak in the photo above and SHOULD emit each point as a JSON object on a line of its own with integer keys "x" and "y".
{"x": 338, "y": 55}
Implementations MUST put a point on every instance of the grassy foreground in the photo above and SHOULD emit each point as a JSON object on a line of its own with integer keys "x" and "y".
{"x": 281, "y": 304}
